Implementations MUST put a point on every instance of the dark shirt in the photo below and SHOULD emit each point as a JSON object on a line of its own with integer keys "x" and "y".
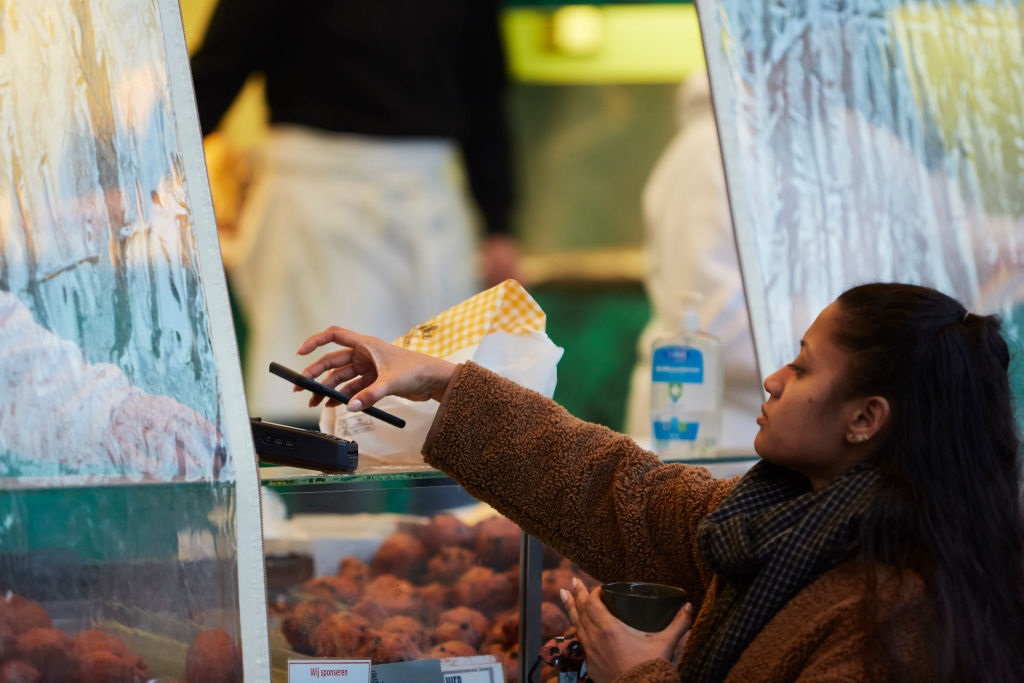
{"x": 388, "y": 68}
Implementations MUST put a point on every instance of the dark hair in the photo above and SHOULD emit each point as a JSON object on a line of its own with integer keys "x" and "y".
{"x": 949, "y": 502}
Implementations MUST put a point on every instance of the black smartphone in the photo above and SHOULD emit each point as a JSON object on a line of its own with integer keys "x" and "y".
{"x": 324, "y": 390}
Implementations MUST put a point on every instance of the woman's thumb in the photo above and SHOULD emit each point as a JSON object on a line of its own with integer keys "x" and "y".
{"x": 681, "y": 623}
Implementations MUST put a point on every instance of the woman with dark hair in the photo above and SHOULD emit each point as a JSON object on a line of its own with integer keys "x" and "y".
{"x": 880, "y": 536}
{"x": 948, "y": 500}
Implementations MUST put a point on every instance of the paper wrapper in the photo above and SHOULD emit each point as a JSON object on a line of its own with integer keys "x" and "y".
{"x": 501, "y": 328}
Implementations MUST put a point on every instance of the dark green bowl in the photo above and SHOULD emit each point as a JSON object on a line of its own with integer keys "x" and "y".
{"x": 644, "y": 606}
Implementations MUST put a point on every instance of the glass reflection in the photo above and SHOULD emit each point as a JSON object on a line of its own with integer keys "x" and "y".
{"x": 107, "y": 370}
{"x": 97, "y": 242}
{"x": 870, "y": 141}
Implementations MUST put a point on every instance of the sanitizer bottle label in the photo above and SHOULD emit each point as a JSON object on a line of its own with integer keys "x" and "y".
{"x": 677, "y": 374}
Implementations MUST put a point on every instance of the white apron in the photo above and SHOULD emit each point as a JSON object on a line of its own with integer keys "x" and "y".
{"x": 373, "y": 235}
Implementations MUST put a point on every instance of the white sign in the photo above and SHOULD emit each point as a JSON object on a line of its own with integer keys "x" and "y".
{"x": 309, "y": 670}
{"x": 471, "y": 672}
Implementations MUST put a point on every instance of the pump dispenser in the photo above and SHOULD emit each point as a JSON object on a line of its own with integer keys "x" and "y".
{"x": 687, "y": 385}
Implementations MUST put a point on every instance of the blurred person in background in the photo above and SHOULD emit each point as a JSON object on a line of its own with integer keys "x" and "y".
{"x": 386, "y": 119}
{"x": 691, "y": 247}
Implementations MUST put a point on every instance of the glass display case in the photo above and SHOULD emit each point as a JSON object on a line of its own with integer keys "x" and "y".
{"x": 871, "y": 142}
{"x": 393, "y": 566}
{"x": 99, "y": 584}
{"x": 130, "y": 543}
{"x": 402, "y": 564}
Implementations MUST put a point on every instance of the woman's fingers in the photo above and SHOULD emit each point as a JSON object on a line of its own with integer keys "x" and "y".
{"x": 332, "y": 335}
{"x": 681, "y": 623}
{"x": 579, "y": 605}
{"x": 370, "y": 369}
{"x": 683, "y": 620}
{"x": 571, "y": 608}
{"x": 334, "y": 360}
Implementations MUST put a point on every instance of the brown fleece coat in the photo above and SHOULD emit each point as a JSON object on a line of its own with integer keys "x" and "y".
{"x": 621, "y": 514}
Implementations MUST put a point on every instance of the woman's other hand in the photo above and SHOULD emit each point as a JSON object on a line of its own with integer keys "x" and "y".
{"x": 370, "y": 369}
{"x": 611, "y": 647}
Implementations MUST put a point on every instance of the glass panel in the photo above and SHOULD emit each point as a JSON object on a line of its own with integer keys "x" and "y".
{"x": 118, "y": 490}
{"x": 870, "y": 141}
{"x": 391, "y": 570}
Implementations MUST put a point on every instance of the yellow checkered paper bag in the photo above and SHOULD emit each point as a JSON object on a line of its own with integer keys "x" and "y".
{"x": 503, "y": 308}
{"x": 501, "y": 328}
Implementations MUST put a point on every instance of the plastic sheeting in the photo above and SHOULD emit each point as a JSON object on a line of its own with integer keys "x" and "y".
{"x": 866, "y": 141}
{"x": 120, "y": 408}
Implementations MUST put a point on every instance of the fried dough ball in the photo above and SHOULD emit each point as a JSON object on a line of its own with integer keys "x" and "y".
{"x": 340, "y": 635}
{"x": 335, "y": 588}
{"x": 213, "y": 657}
{"x": 449, "y": 563}
{"x": 460, "y": 623}
{"x": 355, "y": 569}
{"x": 589, "y": 581}
{"x": 509, "y": 660}
{"x": 452, "y": 648}
{"x": 484, "y": 589}
{"x": 18, "y": 671}
{"x": 410, "y": 626}
{"x": 434, "y": 599}
{"x": 393, "y": 594}
{"x": 51, "y": 652}
{"x": 8, "y": 640}
{"x": 550, "y": 557}
{"x": 371, "y": 610}
{"x": 442, "y": 633}
{"x": 22, "y": 614}
{"x": 503, "y": 630}
{"x": 497, "y": 542}
{"x": 401, "y": 554}
{"x": 105, "y": 658}
{"x": 553, "y": 620}
{"x": 94, "y": 639}
{"x": 104, "y": 666}
{"x": 300, "y": 623}
{"x": 461, "y": 614}
{"x": 553, "y": 580}
{"x": 446, "y": 529}
{"x": 393, "y": 646}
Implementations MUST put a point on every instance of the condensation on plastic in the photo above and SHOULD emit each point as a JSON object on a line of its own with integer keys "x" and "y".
{"x": 97, "y": 237}
{"x": 118, "y": 495}
{"x": 866, "y": 141}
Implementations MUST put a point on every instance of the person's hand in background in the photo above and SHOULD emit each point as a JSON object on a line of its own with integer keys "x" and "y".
{"x": 499, "y": 256}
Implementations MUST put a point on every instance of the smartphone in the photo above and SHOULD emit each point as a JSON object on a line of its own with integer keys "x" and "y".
{"x": 324, "y": 390}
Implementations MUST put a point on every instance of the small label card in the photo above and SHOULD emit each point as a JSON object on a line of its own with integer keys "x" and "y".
{"x": 417, "y": 671}
{"x": 309, "y": 670}
{"x": 480, "y": 669}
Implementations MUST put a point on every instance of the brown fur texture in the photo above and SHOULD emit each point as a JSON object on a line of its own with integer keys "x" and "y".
{"x": 621, "y": 514}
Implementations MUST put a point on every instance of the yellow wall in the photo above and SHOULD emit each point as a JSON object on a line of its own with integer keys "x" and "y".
{"x": 603, "y": 44}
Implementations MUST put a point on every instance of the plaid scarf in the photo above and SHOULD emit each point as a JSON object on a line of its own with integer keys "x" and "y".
{"x": 767, "y": 541}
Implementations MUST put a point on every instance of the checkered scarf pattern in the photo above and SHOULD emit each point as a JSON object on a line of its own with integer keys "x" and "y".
{"x": 767, "y": 541}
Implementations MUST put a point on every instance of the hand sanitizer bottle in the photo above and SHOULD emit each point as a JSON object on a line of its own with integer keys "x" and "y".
{"x": 686, "y": 388}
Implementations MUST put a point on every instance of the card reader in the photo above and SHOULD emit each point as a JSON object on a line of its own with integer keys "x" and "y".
{"x": 283, "y": 445}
